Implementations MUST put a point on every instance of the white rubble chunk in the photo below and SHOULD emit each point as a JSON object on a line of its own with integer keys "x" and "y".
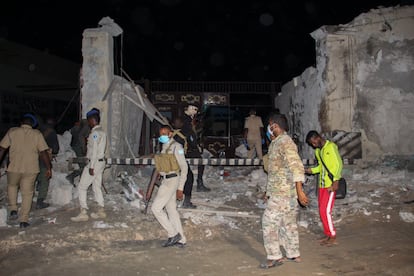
{"x": 60, "y": 190}
{"x": 101, "y": 225}
{"x": 3, "y": 217}
{"x": 407, "y": 216}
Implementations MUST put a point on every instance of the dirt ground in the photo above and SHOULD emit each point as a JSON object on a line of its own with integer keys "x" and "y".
{"x": 129, "y": 243}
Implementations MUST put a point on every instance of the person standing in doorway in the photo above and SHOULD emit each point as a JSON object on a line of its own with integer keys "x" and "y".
{"x": 329, "y": 159}
{"x": 253, "y": 133}
{"x": 25, "y": 144}
{"x": 93, "y": 171}
{"x": 284, "y": 188}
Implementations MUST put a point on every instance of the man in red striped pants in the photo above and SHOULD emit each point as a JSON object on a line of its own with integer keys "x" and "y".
{"x": 329, "y": 169}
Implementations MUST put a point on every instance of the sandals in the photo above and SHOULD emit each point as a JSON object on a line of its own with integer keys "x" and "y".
{"x": 271, "y": 263}
{"x": 295, "y": 259}
{"x": 331, "y": 241}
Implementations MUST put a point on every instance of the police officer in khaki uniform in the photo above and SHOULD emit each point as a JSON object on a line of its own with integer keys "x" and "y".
{"x": 24, "y": 144}
{"x": 284, "y": 188}
{"x": 164, "y": 206}
{"x": 93, "y": 172}
{"x": 253, "y": 133}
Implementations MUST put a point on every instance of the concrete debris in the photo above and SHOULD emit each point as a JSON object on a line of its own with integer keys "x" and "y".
{"x": 130, "y": 188}
{"x": 407, "y": 217}
{"x": 367, "y": 213}
{"x": 3, "y": 217}
{"x": 60, "y": 189}
{"x": 241, "y": 151}
{"x": 102, "y": 225}
{"x": 51, "y": 220}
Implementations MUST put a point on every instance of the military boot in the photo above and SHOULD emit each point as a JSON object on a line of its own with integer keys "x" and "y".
{"x": 40, "y": 204}
{"x": 187, "y": 204}
{"x": 201, "y": 187}
{"x": 83, "y": 216}
{"x": 99, "y": 214}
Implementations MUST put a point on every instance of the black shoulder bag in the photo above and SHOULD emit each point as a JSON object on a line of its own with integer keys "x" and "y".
{"x": 341, "y": 192}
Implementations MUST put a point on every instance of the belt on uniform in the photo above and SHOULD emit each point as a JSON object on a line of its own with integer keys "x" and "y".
{"x": 171, "y": 175}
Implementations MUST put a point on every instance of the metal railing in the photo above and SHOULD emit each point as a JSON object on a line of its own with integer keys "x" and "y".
{"x": 214, "y": 87}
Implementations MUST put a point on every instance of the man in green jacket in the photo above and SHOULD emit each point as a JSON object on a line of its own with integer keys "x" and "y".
{"x": 329, "y": 169}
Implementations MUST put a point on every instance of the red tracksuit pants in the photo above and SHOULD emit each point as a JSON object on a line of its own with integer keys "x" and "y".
{"x": 326, "y": 200}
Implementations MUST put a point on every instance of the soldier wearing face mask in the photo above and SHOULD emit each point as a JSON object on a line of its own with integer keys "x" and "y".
{"x": 193, "y": 150}
{"x": 172, "y": 169}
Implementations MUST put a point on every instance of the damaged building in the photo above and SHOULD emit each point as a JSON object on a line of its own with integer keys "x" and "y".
{"x": 362, "y": 84}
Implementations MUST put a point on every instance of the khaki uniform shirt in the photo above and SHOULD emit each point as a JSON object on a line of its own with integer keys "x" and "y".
{"x": 96, "y": 146}
{"x": 253, "y": 123}
{"x": 178, "y": 151}
{"x": 25, "y": 144}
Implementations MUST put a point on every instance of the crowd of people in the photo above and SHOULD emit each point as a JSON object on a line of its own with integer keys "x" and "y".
{"x": 31, "y": 151}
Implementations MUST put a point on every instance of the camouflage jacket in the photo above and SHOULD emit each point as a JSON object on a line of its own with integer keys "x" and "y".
{"x": 285, "y": 167}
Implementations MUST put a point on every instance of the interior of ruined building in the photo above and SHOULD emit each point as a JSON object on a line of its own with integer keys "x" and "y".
{"x": 359, "y": 94}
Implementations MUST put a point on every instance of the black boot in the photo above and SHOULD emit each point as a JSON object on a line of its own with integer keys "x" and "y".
{"x": 40, "y": 204}
{"x": 201, "y": 187}
{"x": 187, "y": 204}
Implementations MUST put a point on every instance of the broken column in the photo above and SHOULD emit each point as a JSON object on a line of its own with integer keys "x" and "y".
{"x": 98, "y": 66}
{"x": 97, "y": 70}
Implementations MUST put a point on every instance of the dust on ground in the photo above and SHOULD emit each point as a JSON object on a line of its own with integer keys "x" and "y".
{"x": 375, "y": 233}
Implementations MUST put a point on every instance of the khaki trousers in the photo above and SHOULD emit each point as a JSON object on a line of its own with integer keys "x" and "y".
{"x": 24, "y": 181}
{"x": 96, "y": 180}
{"x": 255, "y": 146}
{"x": 169, "y": 218}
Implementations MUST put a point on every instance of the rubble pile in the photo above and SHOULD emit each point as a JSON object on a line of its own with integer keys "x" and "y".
{"x": 377, "y": 192}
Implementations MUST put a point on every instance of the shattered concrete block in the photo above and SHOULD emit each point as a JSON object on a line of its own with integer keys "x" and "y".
{"x": 3, "y": 217}
{"x": 407, "y": 216}
{"x": 60, "y": 190}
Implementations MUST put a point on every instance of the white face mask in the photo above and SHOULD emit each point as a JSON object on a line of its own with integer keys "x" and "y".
{"x": 191, "y": 111}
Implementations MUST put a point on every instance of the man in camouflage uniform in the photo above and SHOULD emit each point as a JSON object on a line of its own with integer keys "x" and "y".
{"x": 284, "y": 188}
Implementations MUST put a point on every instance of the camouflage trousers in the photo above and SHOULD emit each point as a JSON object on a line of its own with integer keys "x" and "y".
{"x": 280, "y": 228}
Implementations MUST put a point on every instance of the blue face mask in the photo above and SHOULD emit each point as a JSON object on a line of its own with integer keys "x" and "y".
{"x": 164, "y": 139}
{"x": 269, "y": 132}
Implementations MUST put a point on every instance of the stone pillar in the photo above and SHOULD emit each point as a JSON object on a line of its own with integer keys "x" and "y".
{"x": 97, "y": 71}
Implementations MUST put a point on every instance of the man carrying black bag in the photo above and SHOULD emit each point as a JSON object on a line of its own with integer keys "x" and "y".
{"x": 329, "y": 169}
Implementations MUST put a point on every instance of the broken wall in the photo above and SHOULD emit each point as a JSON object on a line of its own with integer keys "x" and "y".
{"x": 299, "y": 101}
{"x": 384, "y": 74}
{"x": 124, "y": 119}
{"x": 362, "y": 83}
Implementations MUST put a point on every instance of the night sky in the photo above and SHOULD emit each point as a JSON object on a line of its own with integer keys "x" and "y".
{"x": 257, "y": 40}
